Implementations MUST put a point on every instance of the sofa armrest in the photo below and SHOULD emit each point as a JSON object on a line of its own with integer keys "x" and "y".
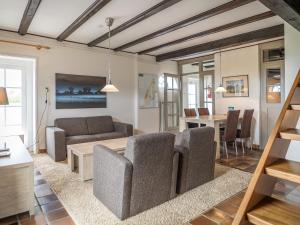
{"x": 112, "y": 180}
{"x": 56, "y": 143}
{"x": 124, "y": 128}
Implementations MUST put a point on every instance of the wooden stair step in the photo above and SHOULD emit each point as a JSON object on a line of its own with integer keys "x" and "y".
{"x": 295, "y": 106}
{"x": 285, "y": 169}
{"x": 291, "y": 134}
{"x": 274, "y": 212}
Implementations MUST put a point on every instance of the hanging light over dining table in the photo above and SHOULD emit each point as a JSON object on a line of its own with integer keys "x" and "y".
{"x": 220, "y": 88}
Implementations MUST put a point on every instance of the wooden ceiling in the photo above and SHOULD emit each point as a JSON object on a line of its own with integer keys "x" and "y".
{"x": 166, "y": 29}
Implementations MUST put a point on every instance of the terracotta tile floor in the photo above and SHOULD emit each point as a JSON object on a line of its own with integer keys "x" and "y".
{"x": 48, "y": 209}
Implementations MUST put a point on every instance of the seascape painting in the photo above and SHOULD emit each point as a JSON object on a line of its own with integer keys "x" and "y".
{"x": 76, "y": 91}
{"x": 148, "y": 91}
{"x": 236, "y": 86}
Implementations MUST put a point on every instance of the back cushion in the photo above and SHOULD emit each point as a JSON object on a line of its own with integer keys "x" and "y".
{"x": 72, "y": 126}
{"x": 100, "y": 124}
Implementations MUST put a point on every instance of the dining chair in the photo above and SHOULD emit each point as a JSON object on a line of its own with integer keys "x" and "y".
{"x": 203, "y": 111}
{"x": 190, "y": 112}
{"x": 230, "y": 130}
{"x": 244, "y": 134}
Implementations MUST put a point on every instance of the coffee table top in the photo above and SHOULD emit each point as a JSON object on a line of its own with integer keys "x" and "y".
{"x": 118, "y": 145}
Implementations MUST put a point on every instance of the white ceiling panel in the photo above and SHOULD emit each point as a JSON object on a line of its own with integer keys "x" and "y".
{"x": 11, "y": 13}
{"x": 218, "y": 20}
{"x": 228, "y": 33}
{"x": 120, "y": 10}
{"x": 178, "y": 12}
{"x": 54, "y": 16}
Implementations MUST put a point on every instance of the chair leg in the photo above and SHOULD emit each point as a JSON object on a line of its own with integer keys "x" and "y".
{"x": 225, "y": 144}
{"x": 251, "y": 143}
{"x": 236, "y": 150}
{"x": 243, "y": 146}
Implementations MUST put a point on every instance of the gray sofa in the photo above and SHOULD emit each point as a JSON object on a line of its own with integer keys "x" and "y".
{"x": 69, "y": 131}
{"x": 141, "y": 179}
{"x": 197, "y": 153}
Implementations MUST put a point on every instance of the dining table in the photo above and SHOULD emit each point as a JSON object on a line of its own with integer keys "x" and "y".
{"x": 216, "y": 121}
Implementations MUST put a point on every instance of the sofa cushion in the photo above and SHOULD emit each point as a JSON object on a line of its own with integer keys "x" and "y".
{"x": 110, "y": 135}
{"x": 100, "y": 124}
{"x": 71, "y": 140}
{"x": 73, "y": 126}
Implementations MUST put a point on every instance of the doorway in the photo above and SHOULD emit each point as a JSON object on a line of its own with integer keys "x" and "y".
{"x": 272, "y": 89}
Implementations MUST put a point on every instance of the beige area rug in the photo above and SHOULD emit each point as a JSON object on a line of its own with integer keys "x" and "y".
{"x": 78, "y": 199}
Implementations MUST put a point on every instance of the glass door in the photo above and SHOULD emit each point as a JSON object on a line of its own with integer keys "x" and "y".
{"x": 170, "y": 102}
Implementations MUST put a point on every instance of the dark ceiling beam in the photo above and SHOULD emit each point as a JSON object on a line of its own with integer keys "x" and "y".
{"x": 194, "y": 19}
{"x": 88, "y": 13}
{"x": 28, "y": 15}
{"x": 228, "y": 26}
{"x": 286, "y": 9}
{"x": 245, "y": 38}
{"x": 142, "y": 16}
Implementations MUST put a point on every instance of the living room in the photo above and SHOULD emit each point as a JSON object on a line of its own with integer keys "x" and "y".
{"x": 138, "y": 70}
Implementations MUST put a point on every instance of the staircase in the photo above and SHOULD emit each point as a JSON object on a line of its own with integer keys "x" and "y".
{"x": 258, "y": 207}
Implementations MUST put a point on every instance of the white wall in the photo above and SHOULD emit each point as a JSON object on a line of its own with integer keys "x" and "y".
{"x": 148, "y": 119}
{"x": 82, "y": 60}
{"x": 244, "y": 61}
{"x": 292, "y": 65}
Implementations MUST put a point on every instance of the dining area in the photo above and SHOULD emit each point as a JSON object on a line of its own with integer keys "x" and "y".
{"x": 231, "y": 129}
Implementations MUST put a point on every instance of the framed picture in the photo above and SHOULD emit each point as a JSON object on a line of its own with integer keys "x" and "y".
{"x": 76, "y": 91}
{"x": 148, "y": 91}
{"x": 236, "y": 86}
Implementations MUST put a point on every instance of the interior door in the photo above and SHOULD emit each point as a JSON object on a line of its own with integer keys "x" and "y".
{"x": 272, "y": 96}
{"x": 171, "y": 102}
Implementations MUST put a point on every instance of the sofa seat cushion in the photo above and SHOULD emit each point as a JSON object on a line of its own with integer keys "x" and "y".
{"x": 110, "y": 135}
{"x": 100, "y": 124}
{"x": 71, "y": 140}
{"x": 72, "y": 126}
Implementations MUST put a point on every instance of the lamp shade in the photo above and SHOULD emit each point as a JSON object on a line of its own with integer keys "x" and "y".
{"x": 109, "y": 88}
{"x": 3, "y": 96}
{"x": 220, "y": 89}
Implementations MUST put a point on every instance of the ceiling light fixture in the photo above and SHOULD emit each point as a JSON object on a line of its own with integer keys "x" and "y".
{"x": 220, "y": 88}
{"x": 109, "y": 87}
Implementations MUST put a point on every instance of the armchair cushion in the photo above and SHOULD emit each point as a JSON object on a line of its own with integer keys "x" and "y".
{"x": 99, "y": 124}
{"x": 112, "y": 180}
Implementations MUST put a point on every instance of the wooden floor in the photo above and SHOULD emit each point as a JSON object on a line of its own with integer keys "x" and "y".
{"x": 49, "y": 210}
{"x": 224, "y": 212}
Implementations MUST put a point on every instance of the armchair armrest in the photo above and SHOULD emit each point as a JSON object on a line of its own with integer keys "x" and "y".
{"x": 112, "y": 180}
{"x": 56, "y": 143}
{"x": 124, "y": 128}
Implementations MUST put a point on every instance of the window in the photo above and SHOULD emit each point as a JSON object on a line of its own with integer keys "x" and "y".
{"x": 11, "y": 115}
{"x": 273, "y": 86}
{"x": 192, "y": 95}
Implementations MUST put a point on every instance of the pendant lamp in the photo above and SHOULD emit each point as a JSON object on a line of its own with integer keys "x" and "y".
{"x": 220, "y": 88}
{"x": 109, "y": 87}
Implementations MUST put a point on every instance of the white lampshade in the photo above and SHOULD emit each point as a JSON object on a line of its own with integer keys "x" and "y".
{"x": 109, "y": 88}
{"x": 220, "y": 89}
{"x": 3, "y": 96}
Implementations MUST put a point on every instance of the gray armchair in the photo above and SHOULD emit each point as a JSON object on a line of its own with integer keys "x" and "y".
{"x": 68, "y": 131}
{"x": 197, "y": 153}
{"x": 141, "y": 179}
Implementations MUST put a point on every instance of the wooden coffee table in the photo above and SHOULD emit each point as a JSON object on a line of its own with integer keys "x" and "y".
{"x": 84, "y": 153}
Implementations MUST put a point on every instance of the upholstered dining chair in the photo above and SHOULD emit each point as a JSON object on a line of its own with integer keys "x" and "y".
{"x": 203, "y": 111}
{"x": 244, "y": 134}
{"x": 229, "y": 135}
{"x": 190, "y": 112}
